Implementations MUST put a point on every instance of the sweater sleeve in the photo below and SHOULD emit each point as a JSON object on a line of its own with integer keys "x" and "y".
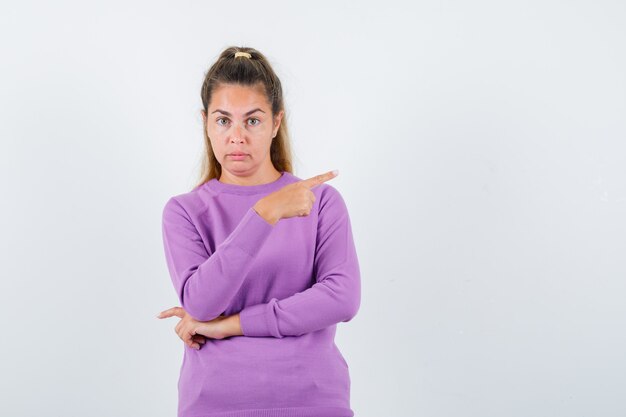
{"x": 336, "y": 295}
{"x": 206, "y": 283}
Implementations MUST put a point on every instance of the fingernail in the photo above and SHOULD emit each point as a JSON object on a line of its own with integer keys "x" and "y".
{"x": 335, "y": 171}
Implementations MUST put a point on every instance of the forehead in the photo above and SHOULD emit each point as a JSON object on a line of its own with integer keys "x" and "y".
{"x": 238, "y": 97}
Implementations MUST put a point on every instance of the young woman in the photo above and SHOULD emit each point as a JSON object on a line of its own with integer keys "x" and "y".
{"x": 263, "y": 262}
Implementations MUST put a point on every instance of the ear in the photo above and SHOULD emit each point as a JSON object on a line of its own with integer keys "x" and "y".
{"x": 277, "y": 120}
{"x": 203, "y": 113}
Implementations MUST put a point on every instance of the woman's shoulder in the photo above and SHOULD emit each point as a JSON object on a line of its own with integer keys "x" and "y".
{"x": 190, "y": 202}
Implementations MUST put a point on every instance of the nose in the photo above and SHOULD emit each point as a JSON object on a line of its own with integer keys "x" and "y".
{"x": 236, "y": 136}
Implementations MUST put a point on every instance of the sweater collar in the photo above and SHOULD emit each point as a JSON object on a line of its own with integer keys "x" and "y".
{"x": 222, "y": 187}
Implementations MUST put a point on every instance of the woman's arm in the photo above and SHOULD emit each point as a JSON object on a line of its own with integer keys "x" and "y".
{"x": 206, "y": 283}
{"x": 334, "y": 298}
{"x": 230, "y": 326}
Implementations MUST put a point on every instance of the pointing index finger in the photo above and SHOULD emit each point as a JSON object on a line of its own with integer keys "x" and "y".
{"x": 319, "y": 179}
{"x": 174, "y": 311}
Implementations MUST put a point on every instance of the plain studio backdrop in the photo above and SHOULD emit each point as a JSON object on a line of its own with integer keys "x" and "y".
{"x": 482, "y": 156}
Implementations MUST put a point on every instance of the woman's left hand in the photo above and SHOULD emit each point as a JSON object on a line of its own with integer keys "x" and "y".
{"x": 194, "y": 332}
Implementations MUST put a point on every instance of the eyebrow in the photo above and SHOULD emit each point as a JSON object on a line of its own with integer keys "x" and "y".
{"x": 228, "y": 114}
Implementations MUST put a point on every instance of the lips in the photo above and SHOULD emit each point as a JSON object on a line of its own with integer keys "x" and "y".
{"x": 237, "y": 156}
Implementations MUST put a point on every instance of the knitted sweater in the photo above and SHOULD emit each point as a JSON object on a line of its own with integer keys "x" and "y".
{"x": 291, "y": 283}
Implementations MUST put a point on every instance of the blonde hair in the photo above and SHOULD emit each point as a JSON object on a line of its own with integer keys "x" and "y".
{"x": 229, "y": 69}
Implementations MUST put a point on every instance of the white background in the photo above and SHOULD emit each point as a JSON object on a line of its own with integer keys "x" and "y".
{"x": 482, "y": 156}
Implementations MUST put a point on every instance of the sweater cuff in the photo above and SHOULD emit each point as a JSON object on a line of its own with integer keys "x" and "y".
{"x": 251, "y": 232}
{"x": 255, "y": 321}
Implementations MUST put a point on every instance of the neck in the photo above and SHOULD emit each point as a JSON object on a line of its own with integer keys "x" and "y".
{"x": 257, "y": 178}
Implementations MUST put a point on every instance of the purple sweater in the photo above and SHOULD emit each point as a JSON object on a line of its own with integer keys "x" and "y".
{"x": 291, "y": 283}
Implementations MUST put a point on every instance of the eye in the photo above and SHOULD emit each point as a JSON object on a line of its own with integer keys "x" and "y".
{"x": 255, "y": 119}
{"x": 221, "y": 118}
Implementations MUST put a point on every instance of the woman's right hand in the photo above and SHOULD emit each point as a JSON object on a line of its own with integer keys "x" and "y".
{"x": 187, "y": 328}
{"x": 295, "y": 199}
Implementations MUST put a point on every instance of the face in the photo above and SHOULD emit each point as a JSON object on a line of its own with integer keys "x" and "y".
{"x": 240, "y": 127}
